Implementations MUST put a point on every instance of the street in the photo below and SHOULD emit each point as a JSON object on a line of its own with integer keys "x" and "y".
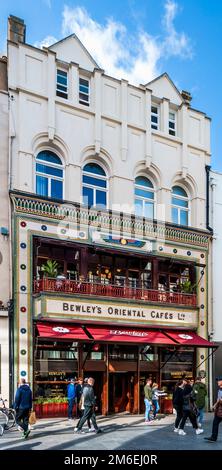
{"x": 120, "y": 432}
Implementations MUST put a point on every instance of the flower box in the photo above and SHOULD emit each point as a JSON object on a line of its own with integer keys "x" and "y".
{"x": 51, "y": 410}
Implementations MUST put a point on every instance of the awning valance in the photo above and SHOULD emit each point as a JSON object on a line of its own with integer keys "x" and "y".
{"x": 117, "y": 334}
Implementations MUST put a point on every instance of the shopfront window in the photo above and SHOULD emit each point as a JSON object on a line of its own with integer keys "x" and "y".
{"x": 179, "y": 363}
{"x": 121, "y": 352}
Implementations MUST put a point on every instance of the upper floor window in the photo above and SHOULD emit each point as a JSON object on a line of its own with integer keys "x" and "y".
{"x": 94, "y": 181}
{"x": 144, "y": 197}
{"x": 49, "y": 175}
{"x": 155, "y": 117}
{"x": 180, "y": 206}
{"x": 84, "y": 91}
{"x": 172, "y": 123}
{"x": 62, "y": 84}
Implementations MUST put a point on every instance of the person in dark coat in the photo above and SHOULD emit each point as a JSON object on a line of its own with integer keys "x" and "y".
{"x": 217, "y": 413}
{"x": 178, "y": 403}
{"x": 89, "y": 407}
{"x": 189, "y": 410}
{"x": 23, "y": 406}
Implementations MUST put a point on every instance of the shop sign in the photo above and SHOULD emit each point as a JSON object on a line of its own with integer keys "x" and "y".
{"x": 118, "y": 313}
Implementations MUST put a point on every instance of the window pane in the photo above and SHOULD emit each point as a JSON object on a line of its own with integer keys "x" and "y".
{"x": 94, "y": 168}
{"x": 48, "y": 170}
{"x": 148, "y": 210}
{"x": 62, "y": 80}
{"x": 41, "y": 185}
{"x": 179, "y": 191}
{"x": 172, "y": 116}
{"x": 154, "y": 109}
{"x": 84, "y": 82}
{"x": 184, "y": 217}
{"x": 87, "y": 196}
{"x": 143, "y": 193}
{"x": 84, "y": 89}
{"x": 62, "y": 72}
{"x": 100, "y": 198}
{"x": 56, "y": 189}
{"x": 179, "y": 202}
{"x": 175, "y": 215}
{"x": 94, "y": 181}
{"x": 142, "y": 181}
{"x": 154, "y": 119}
{"x": 48, "y": 156}
{"x": 83, "y": 97}
{"x": 139, "y": 207}
{"x": 172, "y": 125}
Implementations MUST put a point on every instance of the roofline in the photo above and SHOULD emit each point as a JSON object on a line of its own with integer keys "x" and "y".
{"x": 165, "y": 74}
{"x": 73, "y": 35}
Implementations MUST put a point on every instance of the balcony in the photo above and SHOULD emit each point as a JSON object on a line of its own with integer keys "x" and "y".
{"x": 109, "y": 290}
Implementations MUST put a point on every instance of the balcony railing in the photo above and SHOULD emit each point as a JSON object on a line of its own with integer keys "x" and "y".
{"x": 109, "y": 290}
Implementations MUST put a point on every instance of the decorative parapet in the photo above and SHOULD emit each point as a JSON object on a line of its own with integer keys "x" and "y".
{"x": 108, "y": 220}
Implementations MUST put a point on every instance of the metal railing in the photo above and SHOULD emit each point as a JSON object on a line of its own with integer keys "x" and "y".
{"x": 109, "y": 290}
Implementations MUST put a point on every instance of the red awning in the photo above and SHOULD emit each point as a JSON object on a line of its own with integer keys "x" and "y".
{"x": 189, "y": 338}
{"x": 61, "y": 331}
{"x": 130, "y": 335}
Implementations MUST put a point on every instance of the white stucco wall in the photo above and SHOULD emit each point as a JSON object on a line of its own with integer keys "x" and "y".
{"x": 114, "y": 130}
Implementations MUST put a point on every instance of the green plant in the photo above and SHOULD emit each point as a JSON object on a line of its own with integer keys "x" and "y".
{"x": 47, "y": 401}
{"x": 187, "y": 287}
{"x": 50, "y": 268}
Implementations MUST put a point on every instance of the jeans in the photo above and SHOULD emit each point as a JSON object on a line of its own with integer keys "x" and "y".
{"x": 71, "y": 402}
{"x": 88, "y": 414}
{"x": 147, "y": 410}
{"x": 156, "y": 407}
{"x": 216, "y": 423}
{"x": 201, "y": 415}
{"x": 22, "y": 418}
{"x": 179, "y": 416}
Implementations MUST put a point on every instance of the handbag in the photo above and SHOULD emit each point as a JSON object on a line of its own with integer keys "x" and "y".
{"x": 218, "y": 410}
{"x": 32, "y": 417}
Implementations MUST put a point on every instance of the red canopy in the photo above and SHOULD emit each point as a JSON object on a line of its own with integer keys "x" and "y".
{"x": 130, "y": 335}
{"x": 61, "y": 331}
{"x": 189, "y": 338}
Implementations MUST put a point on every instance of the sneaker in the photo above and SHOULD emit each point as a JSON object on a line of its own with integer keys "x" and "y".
{"x": 79, "y": 431}
{"x": 20, "y": 429}
{"x": 75, "y": 429}
{"x": 26, "y": 434}
{"x": 199, "y": 431}
{"x": 91, "y": 430}
{"x": 176, "y": 430}
{"x": 98, "y": 431}
{"x": 23, "y": 435}
{"x": 210, "y": 439}
{"x": 181, "y": 432}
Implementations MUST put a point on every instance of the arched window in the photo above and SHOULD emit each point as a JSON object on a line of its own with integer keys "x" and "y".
{"x": 94, "y": 185}
{"x": 180, "y": 206}
{"x": 49, "y": 175}
{"x": 144, "y": 197}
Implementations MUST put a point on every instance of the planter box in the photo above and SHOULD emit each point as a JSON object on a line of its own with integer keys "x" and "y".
{"x": 51, "y": 410}
{"x": 167, "y": 406}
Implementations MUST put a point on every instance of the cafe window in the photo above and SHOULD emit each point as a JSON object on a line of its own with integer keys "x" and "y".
{"x": 179, "y": 363}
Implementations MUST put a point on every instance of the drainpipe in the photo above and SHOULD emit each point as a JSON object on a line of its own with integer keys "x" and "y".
{"x": 208, "y": 167}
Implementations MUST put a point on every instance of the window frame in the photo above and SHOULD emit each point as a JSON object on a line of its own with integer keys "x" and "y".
{"x": 50, "y": 177}
{"x": 180, "y": 208}
{"x": 157, "y": 128}
{"x": 65, "y": 93}
{"x": 174, "y": 122}
{"x": 84, "y": 103}
{"x": 96, "y": 188}
{"x": 137, "y": 186}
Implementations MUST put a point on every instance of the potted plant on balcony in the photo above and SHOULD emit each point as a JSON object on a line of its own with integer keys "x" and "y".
{"x": 50, "y": 268}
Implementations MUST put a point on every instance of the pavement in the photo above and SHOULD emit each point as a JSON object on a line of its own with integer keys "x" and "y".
{"x": 120, "y": 432}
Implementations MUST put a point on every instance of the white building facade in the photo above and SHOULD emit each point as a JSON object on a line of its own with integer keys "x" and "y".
{"x": 5, "y": 290}
{"x": 100, "y": 165}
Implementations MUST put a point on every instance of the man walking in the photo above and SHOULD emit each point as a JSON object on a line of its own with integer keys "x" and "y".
{"x": 71, "y": 395}
{"x": 89, "y": 407}
{"x": 23, "y": 406}
{"x": 217, "y": 413}
{"x": 148, "y": 400}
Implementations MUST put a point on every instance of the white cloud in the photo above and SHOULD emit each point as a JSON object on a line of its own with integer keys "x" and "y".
{"x": 134, "y": 56}
{"x": 46, "y": 42}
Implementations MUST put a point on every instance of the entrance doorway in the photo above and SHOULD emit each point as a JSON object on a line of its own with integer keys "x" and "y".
{"x": 121, "y": 392}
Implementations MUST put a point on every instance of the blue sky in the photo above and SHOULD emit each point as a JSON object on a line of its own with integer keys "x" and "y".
{"x": 138, "y": 39}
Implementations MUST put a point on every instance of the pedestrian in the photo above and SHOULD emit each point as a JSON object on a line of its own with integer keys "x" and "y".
{"x": 79, "y": 389}
{"x": 155, "y": 399}
{"x": 81, "y": 405}
{"x": 89, "y": 407}
{"x": 189, "y": 410}
{"x": 71, "y": 395}
{"x": 178, "y": 403}
{"x": 148, "y": 400}
{"x": 217, "y": 412}
{"x": 200, "y": 390}
{"x": 23, "y": 406}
